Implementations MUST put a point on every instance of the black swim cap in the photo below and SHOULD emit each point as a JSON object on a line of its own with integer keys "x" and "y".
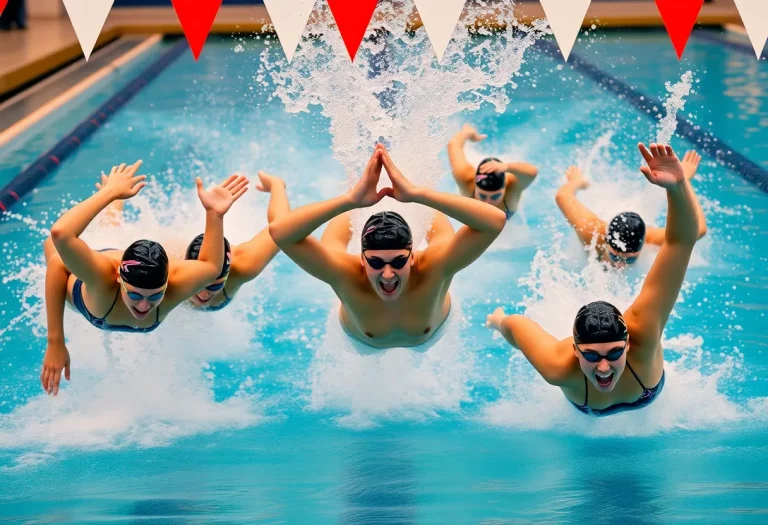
{"x": 193, "y": 252}
{"x": 386, "y": 230}
{"x": 599, "y": 322}
{"x": 493, "y": 181}
{"x": 144, "y": 265}
{"x": 626, "y": 233}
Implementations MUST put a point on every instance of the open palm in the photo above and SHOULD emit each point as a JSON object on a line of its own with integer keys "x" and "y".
{"x": 402, "y": 189}
{"x": 220, "y": 199}
{"x": 123, "y": 182}
{"x": 664, "y": 168}
{"x": 364, "y": 193}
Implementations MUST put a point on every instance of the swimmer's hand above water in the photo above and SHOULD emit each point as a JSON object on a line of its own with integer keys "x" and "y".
{"x": 219, "y": 199}
{"x": 402, "y": 189}
{"x": 122, "y": 182}
{"x": 495, "y": 319}
{"x": 576, "y": 178}
{"x": 664, "y": 169}
{"x": 267, "y": 182}
{"x": 56, "y": 359}
{"x": 364, "y": 193}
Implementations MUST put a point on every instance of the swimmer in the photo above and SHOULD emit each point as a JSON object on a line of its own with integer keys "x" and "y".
{"x": 247, "y": 260}
{"x": 118, "y": 290}
{"x": 390, "y": 295}
{"x": 620, "y": 242}
{"x": 589, "y": 367}
{"x": 495, "y": 182}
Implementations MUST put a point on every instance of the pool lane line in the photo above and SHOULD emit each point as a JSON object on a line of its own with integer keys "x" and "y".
{"x": 718, "y": 38}
{"x": 707, "y": 141}
{"x": 58, "y": 101}
{"x": 46, "y": 163}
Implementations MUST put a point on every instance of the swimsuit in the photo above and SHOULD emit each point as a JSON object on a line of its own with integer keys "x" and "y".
{"x": 218, "y": 307}
{"x": 101, "y": 322}
{"x": 646, "y": 398}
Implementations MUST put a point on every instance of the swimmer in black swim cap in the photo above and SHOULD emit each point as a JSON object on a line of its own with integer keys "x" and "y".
{"x": 589, "y": 366}
{"x": 118, "y": 290}
{"x": 621, "y": 241}
{"x": 493, "y": 181}
{"x": 390, "y": 294}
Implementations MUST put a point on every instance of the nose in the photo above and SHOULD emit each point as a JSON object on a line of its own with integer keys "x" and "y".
{"x": 204, "y": 294}
{"x": 388, "y": 273}
{"x": 603, "y": 366}
{"x": 143, "y": 305}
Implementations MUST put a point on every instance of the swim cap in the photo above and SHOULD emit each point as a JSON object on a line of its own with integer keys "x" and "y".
{"x": 193, "y": 252}
{"x": 626, "y": 233}
{"x": 493, "y": 181}
{"x": 599, "y": 322}
{"x": 144, "y": 265}
{"x": 386, "y": 230}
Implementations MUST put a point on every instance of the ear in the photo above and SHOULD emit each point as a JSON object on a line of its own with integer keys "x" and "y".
{"x": 575, "y": 351}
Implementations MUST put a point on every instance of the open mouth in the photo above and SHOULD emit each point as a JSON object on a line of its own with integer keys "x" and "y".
{"x": 388, "y": 288}
{"x": 604, "y": 381}
{"x": 203, "y": 301}
{"x": 139, "y": 313}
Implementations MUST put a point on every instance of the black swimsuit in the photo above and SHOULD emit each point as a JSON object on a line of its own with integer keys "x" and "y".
{"x": 646, "y": 398}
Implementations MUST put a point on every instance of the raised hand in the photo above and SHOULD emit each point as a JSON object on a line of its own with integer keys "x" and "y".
{"x": 122, "y": 182}
{"x": 267, "y": 182}
{"x": 402, "y": 189}
{"x": 495, "y": 319}
{"x": 56, "y": 359}
{"x": 493, "y": 166}
{"x": 364, "y": 194}
{"x": 471, "y": 133}
{"x": 220, "y": 199}
{"x": 664, "y": 168}
{"x": 576, "y": 176}
{"x": 691, "y": 164}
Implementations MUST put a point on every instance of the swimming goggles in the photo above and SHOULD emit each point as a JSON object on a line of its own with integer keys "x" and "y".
{"x": 593, "y": 357}
{"x": 134, "y": 296}
{"x": 216, "y": 287}
{"x": 397, "y": 263}
{"x": 618, "y": 258}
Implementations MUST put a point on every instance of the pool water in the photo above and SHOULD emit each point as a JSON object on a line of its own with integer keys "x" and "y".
{"x": 257, "y": 414}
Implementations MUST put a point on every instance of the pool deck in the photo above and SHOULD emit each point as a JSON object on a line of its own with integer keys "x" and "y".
{"x": 49, "y": 44}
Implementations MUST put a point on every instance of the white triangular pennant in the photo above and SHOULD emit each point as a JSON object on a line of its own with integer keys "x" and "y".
{"x": 289, "y": 18}
{"x": 565, "y": 18}
{"x": 88, "y": 17}
{"x": 754, "y": 15}
{"x": 440, "y": 18}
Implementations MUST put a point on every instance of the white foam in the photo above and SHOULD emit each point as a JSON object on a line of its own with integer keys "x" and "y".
{"x": 675, "y": 102}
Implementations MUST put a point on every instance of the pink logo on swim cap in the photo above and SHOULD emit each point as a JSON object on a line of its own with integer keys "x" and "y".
{"x": 126, "y": 264}
{"x": 369, "y": 230}
{"x": 482, "y": 176}
{"x": 229, "y": 258}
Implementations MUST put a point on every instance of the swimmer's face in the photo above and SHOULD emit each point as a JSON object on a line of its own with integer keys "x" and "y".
{"x": 209, "y": 293}
{"x": 621, "y": 259}
{"x": 141, "y": 301}
{"x": 604, "y": 374}
{"x": 491, "y": 197}
{"x": 383, "y": 274}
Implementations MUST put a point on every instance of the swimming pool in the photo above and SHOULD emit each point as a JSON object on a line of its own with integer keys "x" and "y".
{"x": 259, "y": 421}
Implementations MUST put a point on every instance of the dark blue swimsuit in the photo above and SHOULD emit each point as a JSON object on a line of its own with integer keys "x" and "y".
{"x": 218, "y": 307}
{"x": 101, "y": 322}
{"x": 646, "y": 398}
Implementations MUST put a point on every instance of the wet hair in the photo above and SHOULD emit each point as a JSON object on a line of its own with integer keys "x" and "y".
{"x": 626, "y": 233}
{"x": 493, "y": 181}
{"x": 193, "y": 253}
{"x": 144, "y": 265}
{"x": 386, "y": 230}
{"x": 599, "y": 322}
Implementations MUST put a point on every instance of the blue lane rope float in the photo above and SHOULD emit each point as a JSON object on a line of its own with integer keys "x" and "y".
{"x": 49, "y": 161}
{"x": 707, "y": 141}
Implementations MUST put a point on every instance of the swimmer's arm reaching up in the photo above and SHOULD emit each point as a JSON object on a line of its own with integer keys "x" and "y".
{"x": 190, "y": 276}
{"x": 292, "y": 232}
{"x": 463, "y": 171}
{"x": 581, "y": 218}
{"x": 250, "y": 258}
{"x": 552, "y": 358}
{"x": 648, "y": 315}
{"x": 483, "y": 222}
{"x": 93, "y": 268}
{"x": 690, "y": 164}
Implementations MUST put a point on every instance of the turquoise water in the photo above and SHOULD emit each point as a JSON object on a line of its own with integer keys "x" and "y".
{"x": 258, "y": 415}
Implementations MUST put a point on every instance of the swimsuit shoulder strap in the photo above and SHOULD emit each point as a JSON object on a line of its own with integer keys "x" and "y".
{"x": 225, "y": 293}
{"x": 117, "y": 295}
{"x": 586, "y": 391}
{"x": 634, "y": 374}
{"x": 157, "y": 317}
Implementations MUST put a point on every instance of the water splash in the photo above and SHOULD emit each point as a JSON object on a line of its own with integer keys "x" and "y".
{"x": 675, "y": 102}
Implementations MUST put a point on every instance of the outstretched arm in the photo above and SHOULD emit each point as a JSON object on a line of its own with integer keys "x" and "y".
{"x": 463, "y": 171}
{"x": 191, "y": 276}
{"x": 483, "y": 222}
{"x": 651, "y": 309}
{"x": 549, "y": 356}
{"x": 292, "y": 232}
{"x": 56, "y": 356}
{"x": 583, "y": 220}
{"x": 92, "y": 267}
{"x": 250, "y": 258}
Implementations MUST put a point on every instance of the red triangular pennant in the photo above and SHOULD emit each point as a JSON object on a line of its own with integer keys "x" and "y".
{"x": 196, "y": 17}
{"x": 679, "y": 16}
{"x": 352, "y": 17}
{"x": 3, "y": 3}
